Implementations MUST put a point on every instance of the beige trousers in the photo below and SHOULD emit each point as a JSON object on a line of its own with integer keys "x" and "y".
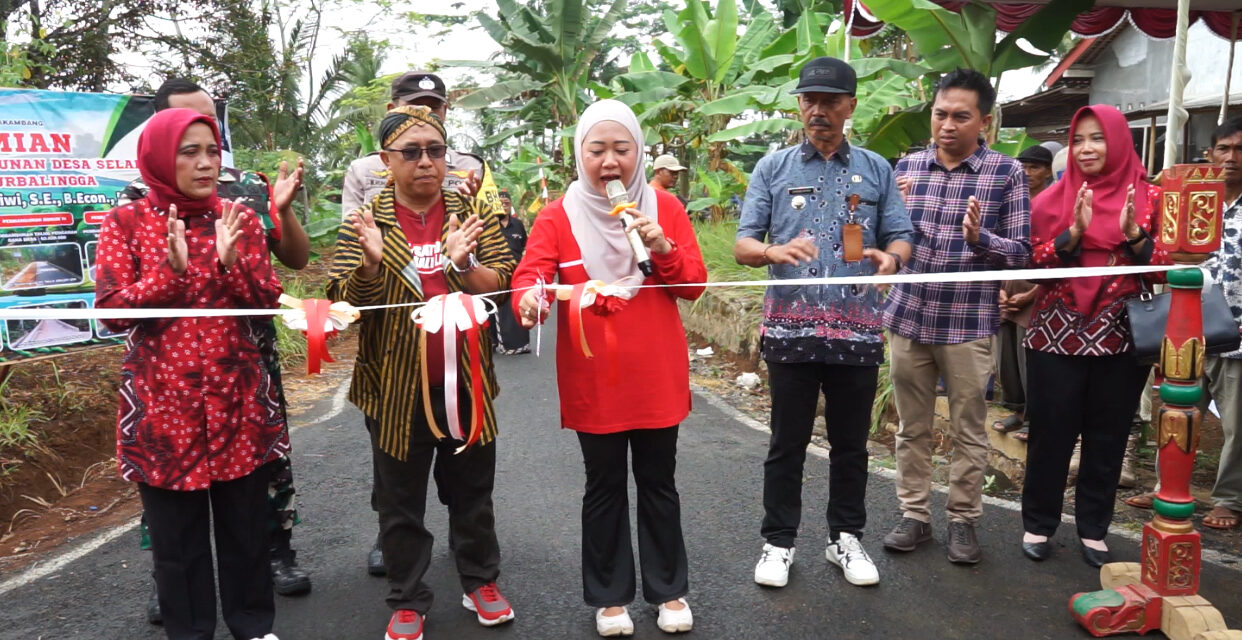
{"x": 1224, "y": 383}
{"x": 914, "y": 368}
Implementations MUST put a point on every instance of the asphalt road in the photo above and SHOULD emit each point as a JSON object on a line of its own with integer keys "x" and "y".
{"x": 540, "y": 477}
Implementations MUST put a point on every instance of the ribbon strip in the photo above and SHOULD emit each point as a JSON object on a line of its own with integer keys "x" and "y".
{"x": 453, "y": 314}
{"x": 316, "y": 336}
{"x": 29, "y": 313}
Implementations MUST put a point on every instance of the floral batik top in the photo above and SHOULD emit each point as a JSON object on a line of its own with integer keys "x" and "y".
{"x": 197, "y": 405}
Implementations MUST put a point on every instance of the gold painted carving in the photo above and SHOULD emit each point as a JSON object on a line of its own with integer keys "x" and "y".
{"x": 1204, "y": 211}
{"x": 1181, "y": 565}
{"x": 1184, "y": 362}
{"x": 1175, "y": 426}
{"x": 1169, "y": 526}
{"x": 1151, "y": 547}
{"x": 1168, "y": 230}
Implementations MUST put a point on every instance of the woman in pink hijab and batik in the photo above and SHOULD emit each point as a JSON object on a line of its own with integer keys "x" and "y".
{"x": 1082, "y": 376}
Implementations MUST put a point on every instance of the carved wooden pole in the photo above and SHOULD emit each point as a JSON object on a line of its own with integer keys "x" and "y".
{"x": 1161, "y": 591}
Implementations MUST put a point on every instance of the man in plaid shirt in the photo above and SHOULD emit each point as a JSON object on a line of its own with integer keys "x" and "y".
{"x": 971, "y": 212}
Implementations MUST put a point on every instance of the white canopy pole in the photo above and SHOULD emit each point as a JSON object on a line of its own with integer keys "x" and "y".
{"x": 1233, "y": 44}
{"x": 1177, "y": 117}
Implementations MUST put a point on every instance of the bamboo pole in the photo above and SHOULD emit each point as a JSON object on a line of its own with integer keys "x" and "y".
{"x": 1233, "y": 44}
{"x": 1179, "y": 76}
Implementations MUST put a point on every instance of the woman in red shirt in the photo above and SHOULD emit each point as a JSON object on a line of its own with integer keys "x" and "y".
{"x": 1082, "y": 376}
{"x": 199, "y": 418}
{"x": 574, "y": 240}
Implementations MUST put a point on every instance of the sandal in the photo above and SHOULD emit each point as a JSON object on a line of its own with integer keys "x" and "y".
{"x": 1011, "y": 423}
{"x": 1221, "y": 518}
{"x": 1023, "y": 434}
{"x": 1142, "y": 500}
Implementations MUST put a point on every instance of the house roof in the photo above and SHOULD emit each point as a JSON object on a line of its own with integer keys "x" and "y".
{"x": 1048, "y": 110}
{"x": 1210, "y": 103}
{"x": 1156, "y": 18}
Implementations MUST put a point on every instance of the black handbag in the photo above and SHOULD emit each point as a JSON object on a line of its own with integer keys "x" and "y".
{"x": 1149, "y": 313}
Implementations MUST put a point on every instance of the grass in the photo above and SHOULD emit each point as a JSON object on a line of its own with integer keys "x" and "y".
{"x": 716, "y": 242}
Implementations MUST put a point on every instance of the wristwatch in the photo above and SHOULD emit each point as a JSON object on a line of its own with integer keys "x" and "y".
{"x": 895, "y": 257}
{"x": 472, "y": 263}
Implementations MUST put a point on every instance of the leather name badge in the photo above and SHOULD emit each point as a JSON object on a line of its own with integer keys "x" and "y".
{"x": 852, "y": 235}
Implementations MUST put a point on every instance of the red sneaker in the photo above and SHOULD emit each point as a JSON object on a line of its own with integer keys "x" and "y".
{"x": 487, "y": 602}
{"x": 405, "y": 624}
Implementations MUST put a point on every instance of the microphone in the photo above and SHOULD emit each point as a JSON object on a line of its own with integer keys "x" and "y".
{"x": 616, "y": 196}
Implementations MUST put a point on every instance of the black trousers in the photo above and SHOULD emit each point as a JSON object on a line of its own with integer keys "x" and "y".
{"x": 607, "y": 556}
{"x": 848, "y": 394}
{"x": 179, "y": 522}
{"x": 1069, "y": 396}
{"x": 464, "y": 484}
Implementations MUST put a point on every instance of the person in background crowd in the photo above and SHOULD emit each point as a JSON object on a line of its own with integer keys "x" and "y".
{"x": 273, "y": 204}
{"x": 575, "y": 239}
{"x": 1224, "y": 372}
{"x": 971, "y": 212}
{"x": 1037, "y": 164}
{"x": 412, "y": 242}
{"x": 1016, "y": 297}
{"x": 465, "y": 172}
{"x": 1083, "y": 377}
{"x": 665, "y": 172}
{"x": 200, "y": 425}
{"x": 799, "y": 210}
{"x": 1059, "y": 160}
{"x": 511, "y": 337}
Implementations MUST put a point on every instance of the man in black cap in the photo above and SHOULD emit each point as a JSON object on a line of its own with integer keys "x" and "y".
{"x": 822, "y": 208}
{"x": 466, "y": 172}
{"x": 1037, "y": 163}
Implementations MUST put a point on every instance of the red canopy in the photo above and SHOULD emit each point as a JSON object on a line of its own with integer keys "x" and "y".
{"x": 1157, "y": 23}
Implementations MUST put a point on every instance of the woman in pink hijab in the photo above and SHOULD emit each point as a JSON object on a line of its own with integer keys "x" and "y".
{"x": 1082, "y": 376}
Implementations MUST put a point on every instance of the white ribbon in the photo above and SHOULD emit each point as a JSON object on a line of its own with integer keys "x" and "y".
{"x": 28, "y": 313}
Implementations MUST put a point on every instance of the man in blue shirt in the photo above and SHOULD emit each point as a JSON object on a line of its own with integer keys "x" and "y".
{"x": 818, "y": 210}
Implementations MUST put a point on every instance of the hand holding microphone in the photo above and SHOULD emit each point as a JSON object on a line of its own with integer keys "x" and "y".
{"x": 641, "y": 232}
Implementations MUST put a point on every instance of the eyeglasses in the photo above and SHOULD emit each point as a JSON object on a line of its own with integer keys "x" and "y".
{"x": 412, "y": 154}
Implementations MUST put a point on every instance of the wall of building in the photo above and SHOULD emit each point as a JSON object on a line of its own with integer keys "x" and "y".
{"x": 1135, "y": 71}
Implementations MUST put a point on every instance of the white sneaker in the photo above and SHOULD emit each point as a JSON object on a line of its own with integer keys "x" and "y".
{"x": 270, "y": 636}
{"x": 678, "y": 621}
{"x": 848, "y": 553}
{"x": 610, "y": 626}
{"x": 773, "y": 567}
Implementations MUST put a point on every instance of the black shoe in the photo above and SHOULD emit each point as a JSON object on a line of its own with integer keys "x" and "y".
{"x": 963, "y": 544}
{"x": 1095, "y": 557}
{"x": 908, "y": 534}
{"x": 1037, "y": 550}
{"x": 375, "y": 561}
{"x": 288, "y": 579}
{"x": 154, "y": 615}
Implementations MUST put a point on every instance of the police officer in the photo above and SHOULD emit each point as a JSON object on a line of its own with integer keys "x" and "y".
{"x": 466, "y": 172}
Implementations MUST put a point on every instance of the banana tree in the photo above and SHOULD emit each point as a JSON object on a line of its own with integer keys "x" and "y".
{"x": 966, "y": 38}
{"x": 546, "y": 60}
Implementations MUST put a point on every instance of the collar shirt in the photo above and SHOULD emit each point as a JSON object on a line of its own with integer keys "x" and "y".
{"x": 797, "y": 192}
{"x": 953, "y": 313}
{"x": 1226, "y": 264}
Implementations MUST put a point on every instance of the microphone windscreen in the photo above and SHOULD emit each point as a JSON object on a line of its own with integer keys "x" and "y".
{"x": 616, "y": 192}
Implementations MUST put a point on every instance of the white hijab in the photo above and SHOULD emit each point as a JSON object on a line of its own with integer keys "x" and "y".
{"x": 606, "y": 253}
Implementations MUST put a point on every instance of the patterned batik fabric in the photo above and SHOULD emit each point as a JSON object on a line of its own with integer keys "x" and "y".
{"x": 798, "y": 193}
{"x": 197, "y": 404}
{"x": 1057, "y": 326}
{"x": 1226, "y": 264}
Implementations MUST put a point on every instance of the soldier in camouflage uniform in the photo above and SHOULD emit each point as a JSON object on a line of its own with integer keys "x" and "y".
{"x": 466, "y": 173}
{"x": 288, "y": 242}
